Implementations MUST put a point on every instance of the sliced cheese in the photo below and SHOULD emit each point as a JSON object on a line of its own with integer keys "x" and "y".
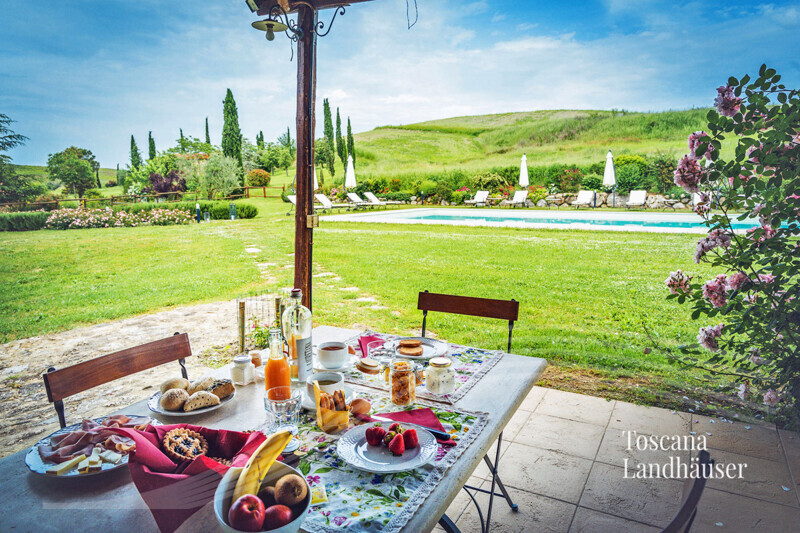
{"x": 83, "y": 466}
{"x": 111, "y": 457}
{"x": 66, "y": 466}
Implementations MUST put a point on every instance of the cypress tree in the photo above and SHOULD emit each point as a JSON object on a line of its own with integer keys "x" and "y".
{"x": 231, "y": 134}
{"x": 292, "y": 146}
{"x": 351, "y": 147}
{"x": 340, "y": 147}
{"x": 260, "y": 140}
{"x": 328, "y": 132}
{"x": 151, "y": 145}
{"x": 208, "y": 137}
{"x": 136, "y": 156}
{"x": 97, "y": 175}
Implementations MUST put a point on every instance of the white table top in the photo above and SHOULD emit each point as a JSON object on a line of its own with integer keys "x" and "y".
{"x": 111, "y": 502}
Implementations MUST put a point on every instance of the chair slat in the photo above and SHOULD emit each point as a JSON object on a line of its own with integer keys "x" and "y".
{"x": 467, "y": 305}
{"x": 77, "y": 378}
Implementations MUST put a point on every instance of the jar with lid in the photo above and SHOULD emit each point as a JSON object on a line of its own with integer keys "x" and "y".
{"x": 440, "y": 376}
{"x": 243, "y": 371}
{"x": 403, "y": 382}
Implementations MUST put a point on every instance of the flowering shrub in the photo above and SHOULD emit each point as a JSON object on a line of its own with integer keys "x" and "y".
{"x": 758, "y": 289}
{"x": 507, "y": 191}
{"x": 106, "y": 218}
{"x": 536, "y": 193}
{"x": 258, "y": 178}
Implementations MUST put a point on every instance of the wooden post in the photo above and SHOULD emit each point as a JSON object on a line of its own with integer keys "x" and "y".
{"x": 303, "y": 237}
{"x": 241, "y": 326}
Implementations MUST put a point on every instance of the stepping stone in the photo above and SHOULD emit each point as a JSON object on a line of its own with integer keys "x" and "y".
{"x": 378, "y": 307}
{"x": 324, "y": 274}
{"x": 253, "y": 250}
{"x": 367, "y": 299}
{"x": 349, "y": 289}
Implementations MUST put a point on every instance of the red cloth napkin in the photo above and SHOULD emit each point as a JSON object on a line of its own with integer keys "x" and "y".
{"x": 364, "y": 340}
{"x": 422, "y": 417}
{"x": 174, "y": 492}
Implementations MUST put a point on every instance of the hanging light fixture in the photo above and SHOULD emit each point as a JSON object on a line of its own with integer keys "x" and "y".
{"x": 270, "y": 26}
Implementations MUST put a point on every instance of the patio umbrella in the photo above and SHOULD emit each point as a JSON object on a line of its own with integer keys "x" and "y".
{"x": 316, "y": 184}
{"x": 350, "y": 174}
{"x": 610, "y": 176}
{"x": 523, "y": 172}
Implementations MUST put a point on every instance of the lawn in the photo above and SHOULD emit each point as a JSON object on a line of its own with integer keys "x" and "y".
{"x": 585, "y": 296}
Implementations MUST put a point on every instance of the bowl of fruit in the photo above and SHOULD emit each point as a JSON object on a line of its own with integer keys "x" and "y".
{"x": 265, "y": 495}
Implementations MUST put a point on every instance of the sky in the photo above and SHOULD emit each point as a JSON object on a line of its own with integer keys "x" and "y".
{"x": 91, "y": 73}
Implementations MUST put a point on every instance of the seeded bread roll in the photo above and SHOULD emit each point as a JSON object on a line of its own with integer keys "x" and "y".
{"x": 198, "y": 385}
{"x": 200, "y": 399}
{"x": 174, "y": 383}
{"x": 221, "y": 388}
{"x": 174, "y": 399}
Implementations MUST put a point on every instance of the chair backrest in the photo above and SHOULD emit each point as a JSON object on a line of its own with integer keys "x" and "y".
{"x": 77, "y": 378}
{"x": 481, "y": 197}
{"x": 356, "y": 199}
{"x": 520, "y": 197}
{"x": 372, "y": 198}
{"x": 467, "y": 305}
{"x": 692, "y": 490}
{"x": 292, "y": 198}
{"x": 638, "y": 197}
{"x": 323, "y": 200}
{"x": 585, "y": 197}
{"x": 696, "y": 198}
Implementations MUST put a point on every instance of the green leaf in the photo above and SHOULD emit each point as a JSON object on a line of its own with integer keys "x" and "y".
{"x": 304, "y": 467}
{"x": 323, "y": 470}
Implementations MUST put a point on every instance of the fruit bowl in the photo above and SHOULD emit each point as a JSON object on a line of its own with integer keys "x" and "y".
{"x": 224, "y": 495}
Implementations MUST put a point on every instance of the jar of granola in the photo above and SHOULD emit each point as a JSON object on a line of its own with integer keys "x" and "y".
{"x": 403, "y": 382}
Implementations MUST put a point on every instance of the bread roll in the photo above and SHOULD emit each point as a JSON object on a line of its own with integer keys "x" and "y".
{"x": 199, "y": 400}
{"x": 174, "y": 383}
{"x": 415, "y": 351}
{"x": 174, "y": 399}
{"x": 201, "y": 384}
{"x": 222, "y": 388}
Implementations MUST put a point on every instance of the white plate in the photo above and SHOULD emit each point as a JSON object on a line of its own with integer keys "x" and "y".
{"x": 154, "y": 403}
{"x": 354, "y": 450}
{"x": 430, "y": 348}
{"x": 37, "y": 465}
{"x": 308, "y": 401}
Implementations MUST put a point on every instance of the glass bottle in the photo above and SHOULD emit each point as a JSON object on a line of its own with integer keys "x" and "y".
{"x": 297, "y": 326}
{"x": 277, "y": 372}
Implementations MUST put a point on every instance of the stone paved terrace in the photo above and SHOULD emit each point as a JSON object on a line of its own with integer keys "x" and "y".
{"x": 562, "y": 461}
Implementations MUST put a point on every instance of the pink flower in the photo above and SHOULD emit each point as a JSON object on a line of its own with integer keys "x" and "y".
{"x": 716, "y": 290}
{"x": 702, "y": 205}
{"x": 744, "y": 388}
{"x": 716, "y": 237}
{"x": 708, "y": 336}
{"x": 766, "y": 278}
{"x": 695, "y": 142}
{"x": 726, "y": 102}
{"x": 736, "y": 281}
{"x": 688, "y": 174}
{"x": 678, "y": 282}
{"x": 771, "y": 398}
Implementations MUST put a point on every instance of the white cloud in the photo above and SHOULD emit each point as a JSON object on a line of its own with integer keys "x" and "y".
{"x": 498, "y": 17}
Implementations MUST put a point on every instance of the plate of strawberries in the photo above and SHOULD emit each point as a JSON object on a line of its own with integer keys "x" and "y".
{"x": 384, "y": 448}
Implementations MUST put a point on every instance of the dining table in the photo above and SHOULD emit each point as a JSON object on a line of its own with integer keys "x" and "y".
{"x": 111, "y": 502}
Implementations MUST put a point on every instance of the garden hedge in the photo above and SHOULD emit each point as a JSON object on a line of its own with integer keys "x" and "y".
{"x": 23, "y": 221}
{"x": 218, "y": 210}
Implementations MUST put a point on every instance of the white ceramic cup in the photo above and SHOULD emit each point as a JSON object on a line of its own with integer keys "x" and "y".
{"x": 332, "y": 354}
{"x": 335, "y": 377}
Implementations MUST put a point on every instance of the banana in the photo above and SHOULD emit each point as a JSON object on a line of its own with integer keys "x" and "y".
{"x": 259, "y": 464}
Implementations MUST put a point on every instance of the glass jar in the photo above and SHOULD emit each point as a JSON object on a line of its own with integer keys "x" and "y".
{"x": 403, "y": 383}
{"x": 440, "y": 376}
{"x": 243, "y": 371}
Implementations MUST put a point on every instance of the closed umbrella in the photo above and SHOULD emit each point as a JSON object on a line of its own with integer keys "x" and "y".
{"x": 610, "y": 176}
{"x": 523, "y": 172}
{"x": 350, "y": 174}
{"x": 316, "y": 184}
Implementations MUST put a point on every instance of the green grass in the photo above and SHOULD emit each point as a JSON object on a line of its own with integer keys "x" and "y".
{"x": 40, "y": 172}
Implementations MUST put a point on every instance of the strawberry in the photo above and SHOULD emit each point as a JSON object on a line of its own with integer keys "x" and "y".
{"x": 388, "y": 437}
{"x": 396, "y": 446}
{"x": 410, "y": 438}
{"x": 375, "y": 435}
{"x": 396, "y": 427}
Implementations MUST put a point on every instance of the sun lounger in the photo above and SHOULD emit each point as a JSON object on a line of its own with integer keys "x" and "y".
{"x": 293, "y": 199}
{"x": 357, "y": 200}
{"x": 326, "y": 203}
{"x": 374, "y": 200}
{"x": 584, "y": 198}
{"x": 479, "y": 200}
{"x": 637, "y": 199}
{"x": 519, "y": 199}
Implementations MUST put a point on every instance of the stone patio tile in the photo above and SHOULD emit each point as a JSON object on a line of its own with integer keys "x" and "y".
{"x": 739, "y": 514}
{"x": 578, "y": 407}
{"x": 791, "y": 446}
{"x": 589, "y": 521}
{"x": 761, "y": 440}
{"x": 614, "y": 450}
{"x": 544, "y": 472}
{"x": 536, "y": 513}
{"x": 517, "y": 421}
{"x": 761, "y": 479}
{"x": 561, "y": 435}
{"x": 648, "y": 420}
{"x": 534, "y": 397}
{"x": 651, "y": 501}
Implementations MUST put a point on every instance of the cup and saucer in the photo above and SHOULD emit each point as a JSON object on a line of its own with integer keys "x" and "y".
{"x": 332, "y": 357}
{"x": 328, "y": 382}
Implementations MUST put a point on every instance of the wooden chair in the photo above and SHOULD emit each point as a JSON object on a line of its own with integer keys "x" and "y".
{"x": 488, "y": 308}
{"x": 692, "y": 490}
{"x": 73, "y": 379}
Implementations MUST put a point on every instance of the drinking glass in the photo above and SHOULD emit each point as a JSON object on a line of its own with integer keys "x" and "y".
{"x": 283, "y": 410}
{"x": 377, "y": 350}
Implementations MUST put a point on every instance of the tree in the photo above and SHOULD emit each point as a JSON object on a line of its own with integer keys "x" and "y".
{"x": 208, "y": 136}
{"x": 220, "y": 176}
{"x": 189, "y": 145}
{"x": 351, "y": 146}
{"x": 324, "y": 156}
{"x": 136, "y": 156}
{"x": 328, "y": 133}
{"x": 75, "y": 173}
{"x": 151, "y": 145}
{"x": 260, "y": 140}
{"x": 231, "y": 134}
{"x": 274, "y": 156}
{"x": 8, "y": 138}
{"x": 17, "y": 187}
{"x": 287, "y": 141}
{"x": 341, "y": 149}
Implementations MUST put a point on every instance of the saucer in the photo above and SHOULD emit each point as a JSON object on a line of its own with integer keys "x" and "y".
{"x": 319, "y": 368}
{"x": 309, "y": 405}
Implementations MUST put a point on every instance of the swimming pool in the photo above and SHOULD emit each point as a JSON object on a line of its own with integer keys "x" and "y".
{"x": 519, "y": 218}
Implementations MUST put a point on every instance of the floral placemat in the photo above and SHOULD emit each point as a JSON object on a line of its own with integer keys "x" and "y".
{"x": 470, "y": 365}
{"x": 365, "y": 502}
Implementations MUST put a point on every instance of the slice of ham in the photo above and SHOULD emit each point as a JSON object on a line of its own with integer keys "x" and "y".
{"x": 81, "y": 441}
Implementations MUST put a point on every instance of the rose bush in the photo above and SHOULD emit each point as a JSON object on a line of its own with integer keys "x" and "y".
{"x": 753, "y": 303}
{"x": 81, "y": 218}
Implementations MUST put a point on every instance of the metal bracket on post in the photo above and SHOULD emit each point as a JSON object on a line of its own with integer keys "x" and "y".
{"x": 312, "y": 221}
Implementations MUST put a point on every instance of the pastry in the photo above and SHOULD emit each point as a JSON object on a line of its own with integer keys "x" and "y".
{"x": 222, "y": 388}
{"x": 174, "y": 383}
{"x": 174, "y": 399}
{"x": 411, "y": 351}
{"x": 200, "y": 399}
{"x": 183, "y": 444}
{"x": 221, "y": 460}
{"x": 409, "y": 343}
{"x": 338, "y": 400}
{"x": 199, "y": 385}
{"x": 368, "y": 366}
